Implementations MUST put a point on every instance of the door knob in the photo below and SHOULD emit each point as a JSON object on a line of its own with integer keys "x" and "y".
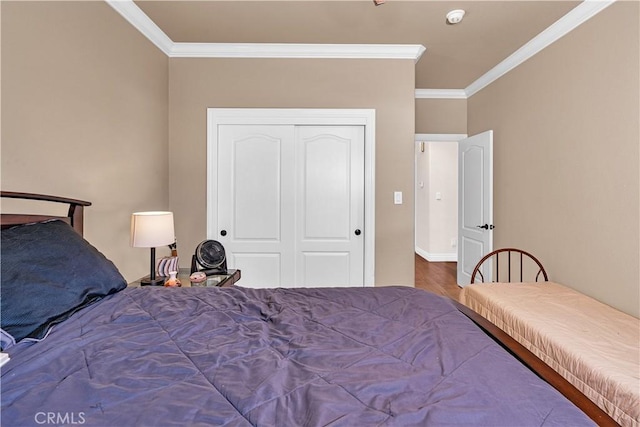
{"x": 486, "y": 226}
{"x": 223, "y": 233}
{"x": 357, "y": 232}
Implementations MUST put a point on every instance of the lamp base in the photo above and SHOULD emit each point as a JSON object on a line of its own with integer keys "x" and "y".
{"x": 148, "y": 281}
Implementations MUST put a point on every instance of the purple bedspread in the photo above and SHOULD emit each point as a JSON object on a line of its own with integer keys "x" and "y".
{"x": 390, "y": 356}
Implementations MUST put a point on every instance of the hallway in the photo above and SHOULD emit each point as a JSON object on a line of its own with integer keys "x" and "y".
{"x": 437, "y": 277}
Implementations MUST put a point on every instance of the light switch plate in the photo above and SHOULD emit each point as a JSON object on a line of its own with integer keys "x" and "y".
{"x": 397, "y": 197}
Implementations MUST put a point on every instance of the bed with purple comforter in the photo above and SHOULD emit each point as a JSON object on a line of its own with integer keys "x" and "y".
{"x": 85, "y": 349}
{"x": 306, "y": 357}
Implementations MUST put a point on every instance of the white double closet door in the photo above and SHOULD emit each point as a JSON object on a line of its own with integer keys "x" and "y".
{"x": 290, "y": 209}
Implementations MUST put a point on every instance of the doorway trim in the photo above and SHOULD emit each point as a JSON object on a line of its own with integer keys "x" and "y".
{"x": 422, "y": 138}
{"x": 440, "y": 137}
{"x": 295, "y": 116}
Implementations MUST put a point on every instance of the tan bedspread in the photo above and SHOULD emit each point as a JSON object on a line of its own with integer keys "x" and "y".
{"x": 592, "y": 345}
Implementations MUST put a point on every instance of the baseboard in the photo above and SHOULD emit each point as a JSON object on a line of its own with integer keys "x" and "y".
{"x": 440, "y": 257}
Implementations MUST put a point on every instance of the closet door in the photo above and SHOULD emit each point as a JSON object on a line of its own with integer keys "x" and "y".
{"x": 290, "y": 204}
{"x": 329, "y": 206}
{"x": 255, "y": 202}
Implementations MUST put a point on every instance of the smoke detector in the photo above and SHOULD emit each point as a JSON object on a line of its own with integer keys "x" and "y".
{"x": 455, "y": 16}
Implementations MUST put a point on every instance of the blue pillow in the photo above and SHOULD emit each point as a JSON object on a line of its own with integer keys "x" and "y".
{"x": 48, "y": 273}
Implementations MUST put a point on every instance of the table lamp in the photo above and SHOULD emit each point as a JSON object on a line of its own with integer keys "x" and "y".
{"x": 150, "y": 230}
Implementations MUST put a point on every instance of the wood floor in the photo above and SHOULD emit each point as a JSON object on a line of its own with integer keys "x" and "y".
{"x": 437, "y": 277}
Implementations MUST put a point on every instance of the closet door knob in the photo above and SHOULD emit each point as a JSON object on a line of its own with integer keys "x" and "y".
{"x": 358, "y": 232}
{"x": 223, "y": 233}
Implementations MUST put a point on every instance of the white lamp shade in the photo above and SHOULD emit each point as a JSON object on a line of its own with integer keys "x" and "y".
{"x": 152, "y": 229}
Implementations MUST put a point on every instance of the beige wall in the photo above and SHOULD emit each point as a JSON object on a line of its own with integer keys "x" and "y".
{"x": 85, "y": 110}
{"x": 196, "y": 84}
{"x": 84, "y": 115}
{"x": 567, "y": 159}
{"x": 441, "y": 116}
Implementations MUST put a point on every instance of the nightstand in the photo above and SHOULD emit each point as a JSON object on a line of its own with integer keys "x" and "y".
{"x": 217, "y": 280}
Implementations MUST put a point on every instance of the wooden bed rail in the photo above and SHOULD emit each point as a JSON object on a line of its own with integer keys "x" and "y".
{"x": 75, "y": 214}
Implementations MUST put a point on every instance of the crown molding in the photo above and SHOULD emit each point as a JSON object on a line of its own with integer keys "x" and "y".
{"x": 441, "y": 94}
{"x": 136, "y": 17}
{"x": 141, "y": 22}
{"x": 578, "y": 15}
{"x": 293, "y": 50}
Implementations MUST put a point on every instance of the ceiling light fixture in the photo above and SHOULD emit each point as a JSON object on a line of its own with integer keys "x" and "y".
{"x": 455, "y": 16}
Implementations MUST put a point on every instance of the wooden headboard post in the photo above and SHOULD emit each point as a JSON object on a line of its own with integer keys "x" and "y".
{"x": 75, "y": 214}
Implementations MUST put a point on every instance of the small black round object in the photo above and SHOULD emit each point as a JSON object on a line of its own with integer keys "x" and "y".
{"x": 210, "y": 254}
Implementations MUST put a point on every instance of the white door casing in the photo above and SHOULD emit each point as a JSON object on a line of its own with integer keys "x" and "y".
{"x": 475, "y": 204}
{"x": 270, "y": 178}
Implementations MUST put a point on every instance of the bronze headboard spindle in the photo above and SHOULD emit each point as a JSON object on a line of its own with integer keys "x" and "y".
{"x": 477, "y": 272}
{"x": 75, "y": 215}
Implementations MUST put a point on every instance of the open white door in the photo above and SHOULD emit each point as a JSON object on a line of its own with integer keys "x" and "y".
{"x": 475, "y": 203}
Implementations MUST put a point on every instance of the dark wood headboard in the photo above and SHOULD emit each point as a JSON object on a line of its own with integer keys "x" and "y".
{"x": 75, "y": 215}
